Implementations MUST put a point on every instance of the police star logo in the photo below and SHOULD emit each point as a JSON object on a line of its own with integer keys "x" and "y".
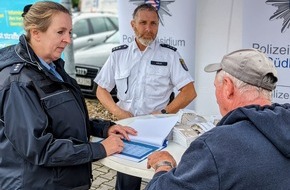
{"x": 283, "y": 12}
{"x": 160, "y": 5}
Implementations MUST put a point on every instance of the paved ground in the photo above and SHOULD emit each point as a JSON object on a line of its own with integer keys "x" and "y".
{"x": 105, "y": 178}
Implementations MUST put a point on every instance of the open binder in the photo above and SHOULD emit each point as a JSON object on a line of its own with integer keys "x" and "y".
{"x": 152, "y": 135}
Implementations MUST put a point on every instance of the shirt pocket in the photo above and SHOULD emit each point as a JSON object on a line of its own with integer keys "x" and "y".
{"x": 157, "y": 81}
{"x": 122, "y": 85}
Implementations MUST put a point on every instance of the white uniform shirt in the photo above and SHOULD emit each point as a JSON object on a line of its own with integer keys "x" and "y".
{"x": 144, "y": 80}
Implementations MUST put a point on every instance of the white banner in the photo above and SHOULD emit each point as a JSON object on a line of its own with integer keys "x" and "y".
{"x": 176, "y": 28}
{"x": 265, "y": 28}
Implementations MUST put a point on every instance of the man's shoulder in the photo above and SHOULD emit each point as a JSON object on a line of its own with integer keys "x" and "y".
{"x": 120, "y": 47}
{"x": 168, "y": 46}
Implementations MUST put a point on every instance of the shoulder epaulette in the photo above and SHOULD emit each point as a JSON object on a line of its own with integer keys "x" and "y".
{"x": 168, "y": 46}
{"x": 16, "y": 68}
{"x": 124, "y": 46}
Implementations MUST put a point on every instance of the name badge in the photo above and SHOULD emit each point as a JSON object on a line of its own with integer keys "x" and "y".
{"x": 159, "y": 63}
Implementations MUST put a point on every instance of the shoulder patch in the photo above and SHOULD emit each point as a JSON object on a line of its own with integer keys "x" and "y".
{"x": 168, "y": 46}
{"x": 16, "y": 68}
{"x": 183, "y": 64}
{"x": 124, "y": 46}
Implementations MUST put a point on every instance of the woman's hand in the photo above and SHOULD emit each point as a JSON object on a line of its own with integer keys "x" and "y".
{"x": 113, "y": 144}
{"x": 122, "y": 131}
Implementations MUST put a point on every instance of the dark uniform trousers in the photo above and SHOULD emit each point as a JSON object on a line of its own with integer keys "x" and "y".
{"x": 127, "y": 182}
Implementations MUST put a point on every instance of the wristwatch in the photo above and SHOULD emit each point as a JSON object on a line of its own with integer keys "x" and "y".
{"x": 163, "y": 111}
{"x": 163, "y": 163}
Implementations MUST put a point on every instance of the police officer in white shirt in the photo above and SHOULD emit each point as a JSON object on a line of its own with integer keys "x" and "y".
{"x": 145, "y": 74}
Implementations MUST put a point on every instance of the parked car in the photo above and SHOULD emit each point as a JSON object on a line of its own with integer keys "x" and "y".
{"x": 90, "y": 29}
{"x": 89, "y": 61}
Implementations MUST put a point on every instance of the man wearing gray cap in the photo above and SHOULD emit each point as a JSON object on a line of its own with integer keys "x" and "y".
{"x": 249, "y": 148}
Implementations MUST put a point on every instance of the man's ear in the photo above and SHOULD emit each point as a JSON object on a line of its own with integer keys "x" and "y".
{"x": 132, "y": 23}
{"x": 229, "y": 88}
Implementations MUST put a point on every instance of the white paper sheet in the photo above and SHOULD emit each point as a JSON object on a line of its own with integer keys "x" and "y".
{"x": 152, "y": 133}
{"x": 153, "y": 130}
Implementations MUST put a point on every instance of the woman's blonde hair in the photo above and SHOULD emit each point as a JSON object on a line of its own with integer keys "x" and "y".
{"x": 39, "y": 15}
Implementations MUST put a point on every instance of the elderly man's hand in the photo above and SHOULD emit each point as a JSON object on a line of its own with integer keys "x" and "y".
{"x": 161, "y": 161}
{"x": 122, "y": 131}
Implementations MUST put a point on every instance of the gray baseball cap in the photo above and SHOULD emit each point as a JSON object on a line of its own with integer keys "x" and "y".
{"x": 248, "y": 65}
